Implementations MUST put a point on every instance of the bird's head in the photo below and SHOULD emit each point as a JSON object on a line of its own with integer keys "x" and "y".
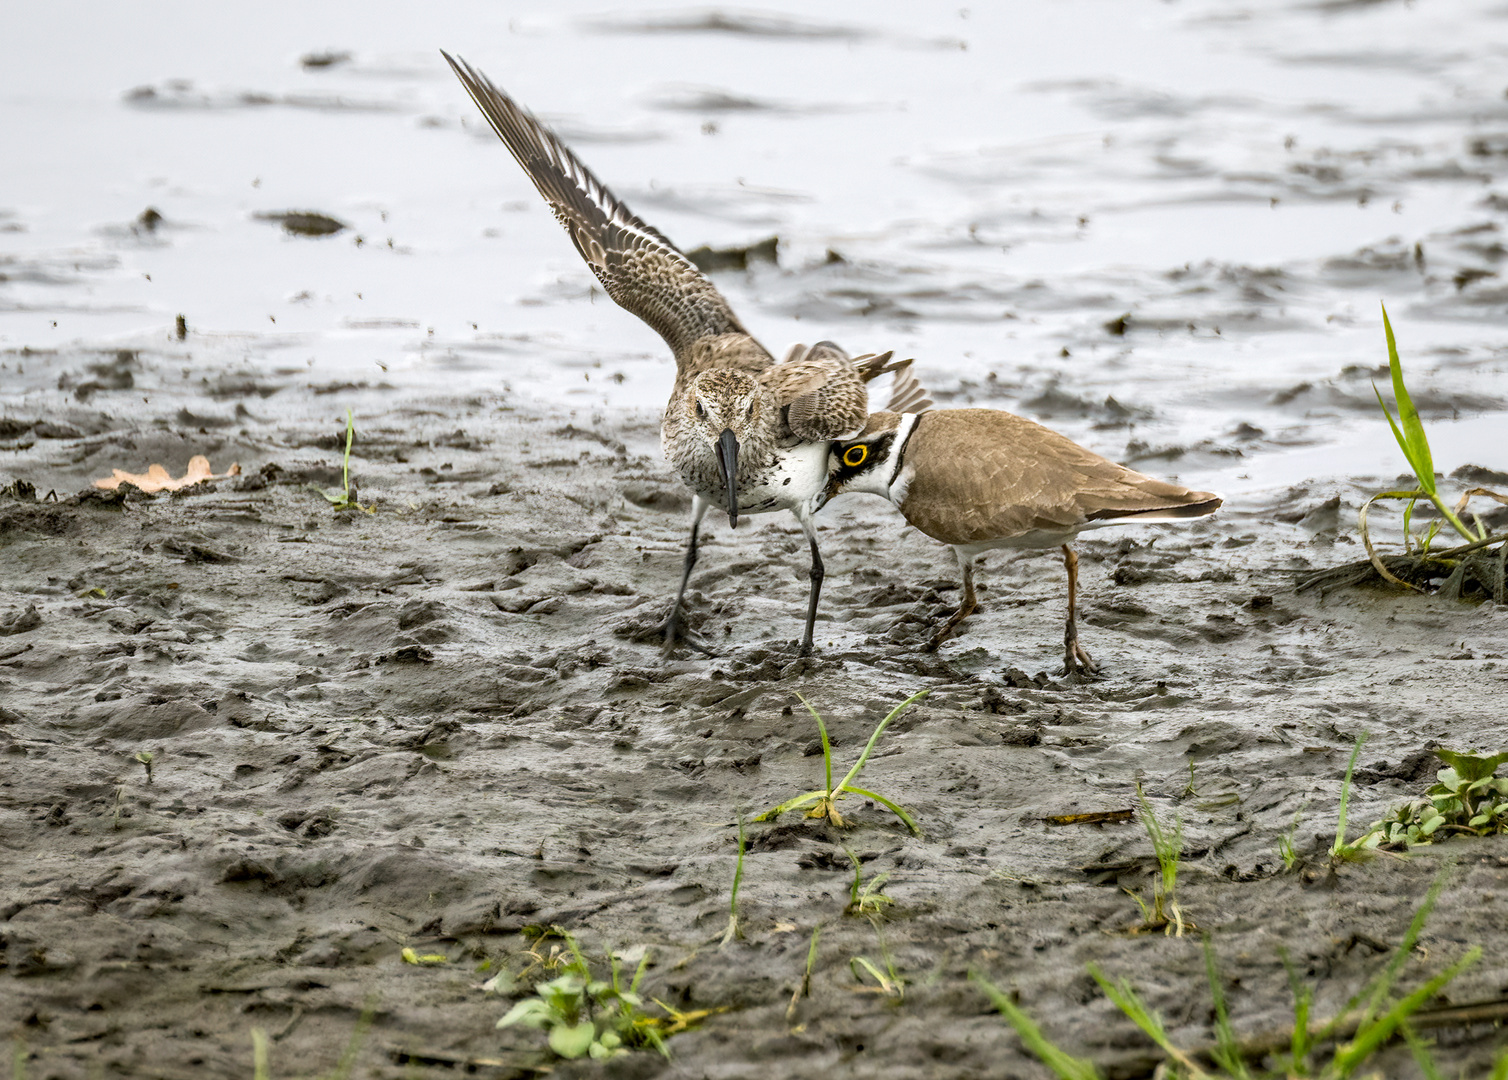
{"x": 730, "y": 411}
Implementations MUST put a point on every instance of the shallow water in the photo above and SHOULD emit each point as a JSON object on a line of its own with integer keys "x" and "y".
{"x": 996, "y": 187}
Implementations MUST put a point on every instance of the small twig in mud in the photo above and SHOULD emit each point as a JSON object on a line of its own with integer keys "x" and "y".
{"x": 120, "y": 805}
{"x": 824, "y": 801}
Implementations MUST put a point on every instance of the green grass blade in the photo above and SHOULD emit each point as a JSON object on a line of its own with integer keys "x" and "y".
{"x": 1303, "y": 999}
{"x": 1422, "y": 1056}
{"x": 1403, "y": 443}
{"x": 738, "y": 878}
{"x": 869, "y": 748}
{"x": 827, "y": 747}
{"x": 1063, "y": 1064}
{"x": 1500, "y": 1066}
{"x": 1417, "y": 446}
{"x": 1345, "y": 796}
{"x": 345, "y": 461}
{"x": 894, "y": 808}
{"x": 1127, "y": 1001}
{"x": 260, "y": 1069}
{"x": 790, "y": 804}
{"x": 1367, "y": 1040}
{"x": 1384, "y": 981}
{"x": 1227, "y": 1051}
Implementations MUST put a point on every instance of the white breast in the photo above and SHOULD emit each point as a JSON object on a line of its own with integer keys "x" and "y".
{"x": 795, "y": 476}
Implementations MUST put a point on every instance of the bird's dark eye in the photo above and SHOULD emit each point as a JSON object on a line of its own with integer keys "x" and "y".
{"x": 855, "y": 455}
{"x": 701, "y": 411}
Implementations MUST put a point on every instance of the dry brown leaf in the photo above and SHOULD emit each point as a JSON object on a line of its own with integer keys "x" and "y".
{"x": 156, "y": 478}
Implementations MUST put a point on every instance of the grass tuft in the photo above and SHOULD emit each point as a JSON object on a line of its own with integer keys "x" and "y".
{"x": 1363, "y": 846}
{"x": 823, "y": 803}
{"x": 1367, "y": 1023}
{"x": 1167, "y": 844}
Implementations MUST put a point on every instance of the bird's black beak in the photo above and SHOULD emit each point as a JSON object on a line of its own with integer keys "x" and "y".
{"x": 727, "y": 460}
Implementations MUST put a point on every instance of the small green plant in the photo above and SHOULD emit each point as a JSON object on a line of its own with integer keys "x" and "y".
{"x": 733, "y": 930}
{"x": 586, "y": 1016}
{"x": 1366, "y": 1023}
{"x": 1470, "y": 799}
{"x": 261, "y": 1060}
{"x": 804, "y": 988}
{"x": 866, "y": 897}
{"x": 1363, "y": 846}
{"x": 1163, "y": 913}
{"x": 146, "y": 758}
{"x": 1286, "y": 850}
{"x": 1408, "y": 431}
{"x": 342, "y": 499}
{"x": 887, "y": 983}
{"x": 824, "y": 801}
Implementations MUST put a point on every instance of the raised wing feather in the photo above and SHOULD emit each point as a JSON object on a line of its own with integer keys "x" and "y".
{"x": 640, "y": 269}
{"x": 821, "y": 390}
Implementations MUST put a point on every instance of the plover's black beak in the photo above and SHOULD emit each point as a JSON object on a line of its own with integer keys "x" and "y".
{"x": 727, "y": 460}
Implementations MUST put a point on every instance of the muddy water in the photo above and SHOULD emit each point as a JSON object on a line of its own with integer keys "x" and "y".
{"x": 1163, "y": 229}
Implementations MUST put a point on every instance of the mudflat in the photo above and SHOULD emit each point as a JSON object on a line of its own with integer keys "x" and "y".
{"x": 438, "y": 726}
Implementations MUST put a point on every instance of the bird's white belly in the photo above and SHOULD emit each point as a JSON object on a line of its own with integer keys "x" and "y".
{"x": 796, "y": 475}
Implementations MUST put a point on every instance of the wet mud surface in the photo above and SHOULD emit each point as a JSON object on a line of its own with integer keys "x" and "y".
{"x": 433, "y": 727}
{"x": 1162, "y": 229}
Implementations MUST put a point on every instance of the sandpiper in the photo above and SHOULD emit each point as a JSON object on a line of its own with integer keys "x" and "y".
{"x": 979, "y": 479}
{"x": 747, "y": 434}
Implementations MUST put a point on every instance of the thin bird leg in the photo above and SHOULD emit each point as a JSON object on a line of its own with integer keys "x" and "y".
{"x": 817, "y": 573}
{"x": 671, "y": 629}
{"x": 968, "y": 607}
{"x": 1075, "y": 657}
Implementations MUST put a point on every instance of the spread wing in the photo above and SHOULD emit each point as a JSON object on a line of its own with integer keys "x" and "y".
{"x": 640, "y": 269}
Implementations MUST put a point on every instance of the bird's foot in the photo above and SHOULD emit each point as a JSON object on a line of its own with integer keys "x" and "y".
{"x": 1077, "y": 661}
{"x": 945, "y": 631}
{"x": 672, "y": 634}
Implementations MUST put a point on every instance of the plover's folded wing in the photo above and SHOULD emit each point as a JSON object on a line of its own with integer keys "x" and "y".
{"x": 640, "y": 269}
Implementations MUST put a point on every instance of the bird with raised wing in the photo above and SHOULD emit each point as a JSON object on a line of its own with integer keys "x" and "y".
{"x": 980, "y": 479}
{"x": 746, "y": 434}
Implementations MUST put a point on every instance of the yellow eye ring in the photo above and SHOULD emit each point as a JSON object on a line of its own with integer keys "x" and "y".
{"x": 855, "y": 455}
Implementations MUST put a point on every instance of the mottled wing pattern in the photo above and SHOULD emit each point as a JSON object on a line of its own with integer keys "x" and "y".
{"x": 986, "y": 474}
{"x": 821, "y": 391}
{"x": 640, "y": 269}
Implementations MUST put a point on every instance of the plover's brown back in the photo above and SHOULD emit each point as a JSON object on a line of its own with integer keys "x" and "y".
{"x": 986, "y": 476}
